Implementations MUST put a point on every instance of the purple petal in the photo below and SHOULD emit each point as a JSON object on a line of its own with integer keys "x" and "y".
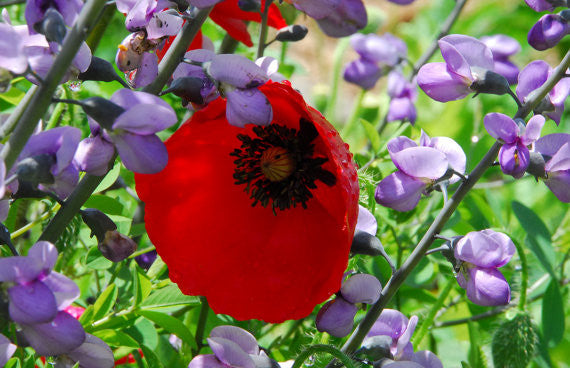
{"x": 421, "y": 162}
{"x": 501, "y": 126}
{"x": 514, "y": 159}
{"x": 475, "y": 52}
{"x": 336, "y": 317}
{"x": 7, "y": 349}
{"x": 271, "y": 67}
{"x": 237, "y": 70}
{"x": 501, "y": 45}
{"x": 548, "y": 31}
{"x": 487, "y": 287}
{"x": 390, "y": 323}
{"x": 366, "y": 221}
{"x": 45, "y": 253}
{"x": 125, "y": 6}
{"x": 4, "y": 209}
{"x": 140, "y": 14}
{"x": 145, "y": 119}
{"x": 361, "y": 288}
{"x": 453, "y": 152}
{"x": 508, "y": 70}
{"x": 399, "y": 191}
{"x": 200, "y": 4}
{"x": 363, "y": 73}
{"x": 230, "y": 353}
{"x": 63, "y": 288}
{"x": 401, "y": 109}
{"x": 559, "y": 183}
{"x": 163, "y": 24}
{"x": 533, "y": 129}
{"x": 316, "y": 9}
{"x": 127, "y": 99}
{"x": 128, "y": 56}
{"x": 436, "y": 80}
{"x": 531, "y": 77}
{"x": 82, "y": 59}
{"x": 398, "y": 86}
{"x": 12, "y": 55}
{"x": 405, "y": 363}
{"x": 398, "y": 144}
{"x": 404, "y": 346}
{"x": 454, "y": 60}
{"x": 65, "y": 182}
{"x": 206, "y": 361}
{"x": 93, "y": 353}
{"x": 147, "y": 71}
{"x": 385, "y": 49}
{"x": 248, "y": 106}
{"x": 32, "y": 303}
{"x": 144, "y": 154}
{"x": 93, "y": 155}
{"x": 427, "y": 359}
{"x": 19, "y": 269}
{"x": 551, "y": 143}
{"x": 348, "y": 18}
{"x": 560, "y": 161}
{"x": 60, "y": 336}
{"x": 243, "y": 338}
{"x": 539, "y": 5}
{"x": 2, "y": 180}
{"x": 485, "y": 248}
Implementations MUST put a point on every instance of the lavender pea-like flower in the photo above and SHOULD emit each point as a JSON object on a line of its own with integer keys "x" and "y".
{"x": 481, "y": 254}
{"x": 514, "y": 155}
{"x": 403, "y": 94}
{"x": 555, "y": 150}
{"x": 503, "y": 47}
{"x": 7, "y": 349}
{"x": 549, "y": 30}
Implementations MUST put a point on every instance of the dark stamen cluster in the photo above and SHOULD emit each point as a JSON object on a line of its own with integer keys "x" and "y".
{"x": 295, "y": 188}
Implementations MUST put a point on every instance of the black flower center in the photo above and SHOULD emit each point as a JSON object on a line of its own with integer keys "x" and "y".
{"x": 279, "y": 167}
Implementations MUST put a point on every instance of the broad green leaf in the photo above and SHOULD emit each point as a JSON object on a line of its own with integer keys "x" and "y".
{"x": 116, "y": 338}
{"x": 87, "y": 316}
{"x": 110, "y": 178}
{"x": 13, "y": 96}
{"x": 372, "y": 135}
{"x": 157, "y": 269}
{"x": 170, "y": 324}
{"x": 96, "y": 261}
{"x": 105, "y": 302}
{"x": 150, "y": 357}
{"x": 141, "y": 284}
{"x": 144, "y": 332}
{"x": 538, "y": 237}
{"x": 106, "y": 204}
{"x": 169, "y": 296}
{"x": 552, "y": 314}
{"x": 13, "y": 363}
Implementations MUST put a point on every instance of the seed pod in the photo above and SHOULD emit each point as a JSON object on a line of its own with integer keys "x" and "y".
{"x": 292, "y": 33}
{"x": 101, "y": 70}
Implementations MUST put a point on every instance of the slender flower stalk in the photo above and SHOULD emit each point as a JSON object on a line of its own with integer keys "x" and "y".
{"x": 263, "y": 30}
{"x": 451, "y": 205}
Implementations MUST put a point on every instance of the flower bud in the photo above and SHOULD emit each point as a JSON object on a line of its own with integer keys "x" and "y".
{"x": 187, "y": 88}
{"x": 292, "y": 33}
{"x": 365, "y": 243}
{"x": 489, "y": 82}
{"x": 116, "y": 246}
{"x": 52, "y": 26}
{"x": 376, "y": 347}
{"x": 36, "y": 169}
{"x": 536, "y": 165}
{"x": 102, "y": 110}
{"x": 249, "y": 5}
{"x": 98, "y": 222}
{"x": 101, "y": 70}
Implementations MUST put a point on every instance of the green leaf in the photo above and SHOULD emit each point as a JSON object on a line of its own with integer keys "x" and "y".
{"x": 141, "y": 284}
{"x": 372, "y": 134}
{"x": 552, "y": 314}
{"x": 476, "y": 356}
{"x": 110, "y": 178}
{"x": 105, "y": 302}
{"x": 13, "y": 96}
{"x": 170, "y": 324}
{"x": 169, "y": 296}
{"x": 157, "y": 269}
{"x": 105, "y": 204}
{"x": 13, "y": 363}
{"x": 150, "y": 357}
{"x": 87, "y": 316}
{"x": 538, "y": 237}
{"x": 95, "y": 260}
{"x": 116, "y": 338}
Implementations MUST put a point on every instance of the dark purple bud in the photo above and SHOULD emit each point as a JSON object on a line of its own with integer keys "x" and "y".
{"x": 36, "y": 169}
{"x": 102, "y": 110}
{"x": 490, "y": 82}
{"x": 548, "y": 31}
{"x": 536, "y": 165}
{"x": 116, "y": 246}
{"x": 146, "y": 260}
{"x": 376, "y": 347}
{"x": 292, "y": 33}
{"x": 52, "y": 26}
{"x": 101, "y": 70}
{"x": 365, "y": 243}
{"x": 187, "y": 88}
{"x": 98, "y": 222}
{"x": 249, "y": 5}
{"x": 361, "y": 288}
{"x": 182, "y": 5}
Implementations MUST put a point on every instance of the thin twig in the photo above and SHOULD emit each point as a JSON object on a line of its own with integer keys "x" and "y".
{"x": 263, "y": 30}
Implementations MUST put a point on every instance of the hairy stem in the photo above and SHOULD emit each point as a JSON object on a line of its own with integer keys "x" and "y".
{"x": 201, "y": 326}
{"x": 322, "y": 348}
{"x": 524, "y": 275}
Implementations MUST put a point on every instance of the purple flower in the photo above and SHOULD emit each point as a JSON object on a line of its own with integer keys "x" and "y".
{"x": 7, "y": 349}
{"x": 150, "y": 16}
{"x": 271, "y": 66}
{"x": 366, "y": 221}
{"x": 535, "y": 75}
{"x": 232, "y": 347}
{"x": 36, "y": 9}
{"x": 419, "y": 169}
{"x": 12, "y": 55}
{"x": 60, "y": 144}
{"x": 403, "y": 94}
{"x": 239, "y": 78}
{"x": 482, "y": 253}
{"x": 208, "y": 89}
{"x": 503, "y": 47}
{"x": 93, "y": 353}
{"x": 467, "y": 64}
{"x": 394, "y": 324}
{"x": 337, "y": 316}
{"x": 136, "y": 59}
{"x": 548, "y": 31}
{"x": 146, "y": 260}
{"x": 543, "y": 5}
{"x": 132, "y": 133}
{"x": 556, "y": 149}
{"x": 347, "y": 18}
{"x": 316, "y": 9}
{"x": 514, "y": 155}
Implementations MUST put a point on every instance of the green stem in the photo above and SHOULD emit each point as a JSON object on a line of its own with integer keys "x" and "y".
{"x": 321, "y": 348}
{"x": 263, "y": 30}
{"x": 97, "y": 34}
{"x": 349, "y": 126}
{"x": 524, "y": 275}
{"x": 55, "y": 116}
{"x": 201, "y": 326}
{"x": 428, "y": 320}
{"x": 176, "y": 52}
{"x": 42, "y": 99}
{"x": 337, "y": 66}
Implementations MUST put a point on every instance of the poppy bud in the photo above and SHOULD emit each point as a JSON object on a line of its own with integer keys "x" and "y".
{"x": 98, "y": 222}
{"x": 116, "y": 246}
{"x": 187, "y": 88}
{"x": 102, "y": 110}
{"x": 490, "y": 82}
{"x": 365, "y": 243}
{"x": 52, "y": 26}
{"x": 101, "y": 70}
{"x": 294, "y": 32}
{"x": 515, "y": 342}
{"x": 36, "y": 169}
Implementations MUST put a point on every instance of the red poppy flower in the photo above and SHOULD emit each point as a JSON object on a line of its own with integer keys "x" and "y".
{"x": 257, "y": 219}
